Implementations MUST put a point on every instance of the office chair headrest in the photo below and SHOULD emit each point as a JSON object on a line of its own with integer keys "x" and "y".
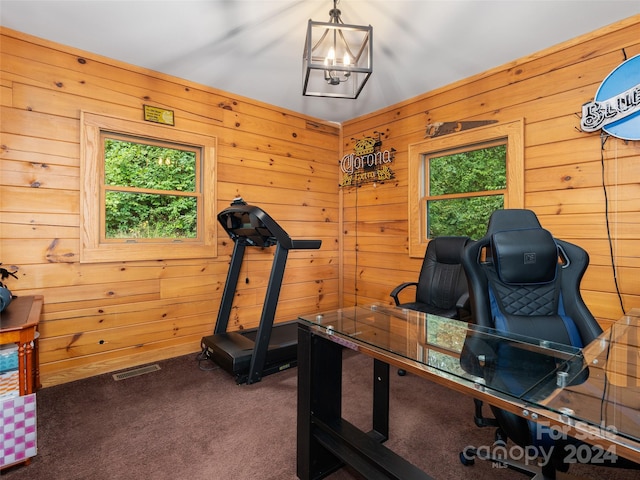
{"x": 449, "y": 249}
{"x": 525, "y": 257}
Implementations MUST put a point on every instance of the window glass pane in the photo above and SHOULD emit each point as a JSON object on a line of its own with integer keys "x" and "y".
{"x": 143, "y": 215}
{"x": 461, "y": 216}
{"x": 138, "y": 165}
{"x": 472, "y": 171}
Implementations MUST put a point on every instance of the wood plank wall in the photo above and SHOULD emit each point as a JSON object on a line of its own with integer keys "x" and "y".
{"x": 563, "y": 173}
{"x": 103, "y": 317}
{"x": 108, "y": 316}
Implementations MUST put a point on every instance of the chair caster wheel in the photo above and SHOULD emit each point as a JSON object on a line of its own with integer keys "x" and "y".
{"x": 467, "y": 458}
{"x": 500, "y": 438}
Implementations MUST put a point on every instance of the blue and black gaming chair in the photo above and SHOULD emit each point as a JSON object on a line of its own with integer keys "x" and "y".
{"x": 522, "y": 281}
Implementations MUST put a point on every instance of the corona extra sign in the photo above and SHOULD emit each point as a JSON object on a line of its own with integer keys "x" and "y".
{"x": 367, "y": 164}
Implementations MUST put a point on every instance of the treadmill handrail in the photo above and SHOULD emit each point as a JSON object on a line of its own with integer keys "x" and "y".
{"x": 305, "y": 244}
{"x": 252, "y": 233}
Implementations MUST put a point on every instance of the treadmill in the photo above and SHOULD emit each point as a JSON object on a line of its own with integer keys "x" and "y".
{"x": 251, "y": 354}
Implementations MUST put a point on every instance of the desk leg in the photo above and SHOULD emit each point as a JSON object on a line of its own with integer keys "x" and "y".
{"x": 22, "y": 368}
{"x": 36, "y": 360}
{"x": 380, "y": 400}
{"x": 320, "y": 396}
{"x": 28, "y": 373}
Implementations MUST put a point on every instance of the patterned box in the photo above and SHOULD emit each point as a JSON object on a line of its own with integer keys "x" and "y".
{"x": 8, "y": 357}
{"x": 18, "y": 434}
{"x": 9, "y": 384}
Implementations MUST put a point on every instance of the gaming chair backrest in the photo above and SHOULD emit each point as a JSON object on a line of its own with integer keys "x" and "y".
{"x": 518, "y": 270}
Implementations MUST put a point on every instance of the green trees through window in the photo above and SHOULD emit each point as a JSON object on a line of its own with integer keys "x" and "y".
{"x": 150, "y": 190}
{"x": 464, "y": 188}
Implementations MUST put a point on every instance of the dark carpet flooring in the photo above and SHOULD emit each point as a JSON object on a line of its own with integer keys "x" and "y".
{"x": 182, "y": 422}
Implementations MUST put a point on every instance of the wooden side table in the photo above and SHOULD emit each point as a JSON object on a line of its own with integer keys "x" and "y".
{"x": 19, "y": 324}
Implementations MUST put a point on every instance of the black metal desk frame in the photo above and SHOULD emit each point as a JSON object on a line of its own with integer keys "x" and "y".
{"x": 325, "y": 440}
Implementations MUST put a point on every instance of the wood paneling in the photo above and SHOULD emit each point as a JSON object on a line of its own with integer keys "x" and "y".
{"x": 103, "y": 317}
{"x": 564, "y": 169}
{"x": 106, "y": 316}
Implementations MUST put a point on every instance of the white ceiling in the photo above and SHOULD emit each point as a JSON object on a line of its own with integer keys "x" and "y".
{"x": 254, "y": 48}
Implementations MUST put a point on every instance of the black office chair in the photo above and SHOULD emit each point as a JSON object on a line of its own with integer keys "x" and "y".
{"x": 522, "y": 281}
{"x": 441, "y": 288}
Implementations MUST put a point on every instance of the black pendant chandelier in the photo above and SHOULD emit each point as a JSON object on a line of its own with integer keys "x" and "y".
{"x": 337, "y": 59}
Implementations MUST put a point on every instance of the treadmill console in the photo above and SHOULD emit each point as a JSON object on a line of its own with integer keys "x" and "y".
{"x": 252, "y": 226}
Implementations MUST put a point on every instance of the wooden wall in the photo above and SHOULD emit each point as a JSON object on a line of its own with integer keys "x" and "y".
{"x": 108, "y": 316}
{"x": 563, "y": 179}
{"x": 104, "y": 317}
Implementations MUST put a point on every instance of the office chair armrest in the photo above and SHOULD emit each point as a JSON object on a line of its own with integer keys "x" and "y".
{"x": 478, "y": 357}
{"x": 463, "y": 301}
{"x": 463, "y": 306}
{"x": 394, "y": 293}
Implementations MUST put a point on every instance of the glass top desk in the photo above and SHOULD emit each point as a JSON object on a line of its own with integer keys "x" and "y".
{"x": 591, "y": 394}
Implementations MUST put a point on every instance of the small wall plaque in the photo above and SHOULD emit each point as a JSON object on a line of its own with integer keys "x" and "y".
{"x": 158, "y": 115}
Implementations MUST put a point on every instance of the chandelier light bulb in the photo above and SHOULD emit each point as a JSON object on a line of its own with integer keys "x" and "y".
{"x": 332, "y": 56}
